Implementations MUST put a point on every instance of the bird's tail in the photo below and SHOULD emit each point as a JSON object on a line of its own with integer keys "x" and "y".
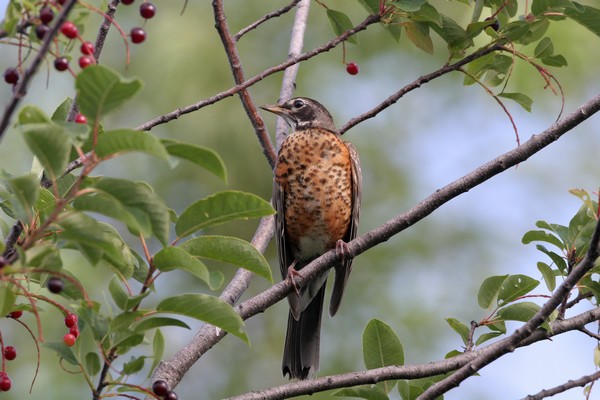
{"x": 301, "y": 353}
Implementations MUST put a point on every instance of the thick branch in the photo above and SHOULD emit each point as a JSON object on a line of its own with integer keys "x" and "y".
{"x": 416, "y": 371}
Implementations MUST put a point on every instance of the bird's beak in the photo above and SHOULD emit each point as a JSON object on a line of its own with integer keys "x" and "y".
{"x": 275, "y": 109}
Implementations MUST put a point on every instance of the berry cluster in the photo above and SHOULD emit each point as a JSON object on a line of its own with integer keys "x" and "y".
{"x": 147, "y": 11}
{"x": 9, "y": 353}
{"x": 161, "y": 388}
{"x": 71, "y": 323}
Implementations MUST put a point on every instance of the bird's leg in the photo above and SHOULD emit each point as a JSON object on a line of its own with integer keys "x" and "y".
{"x": 292, "y": 272}
{"x": 342, "y": 250}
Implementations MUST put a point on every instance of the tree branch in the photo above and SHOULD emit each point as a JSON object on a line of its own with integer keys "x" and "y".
{"x": 584, "y": 380}
{"x": 264, "y": 19}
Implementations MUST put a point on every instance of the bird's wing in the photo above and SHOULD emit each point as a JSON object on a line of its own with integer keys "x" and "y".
{"x": 342, "y": 271}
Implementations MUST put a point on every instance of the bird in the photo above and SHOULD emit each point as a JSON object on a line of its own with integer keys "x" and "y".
{"x": 316, "y": 194}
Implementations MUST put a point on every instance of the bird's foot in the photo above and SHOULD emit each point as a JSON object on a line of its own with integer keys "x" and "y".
{"x": 293, "y": 272}
{"x": 342, "y": 250}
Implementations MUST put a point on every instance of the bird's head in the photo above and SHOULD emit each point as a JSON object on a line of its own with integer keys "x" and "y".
{"x": 303, "y": 113}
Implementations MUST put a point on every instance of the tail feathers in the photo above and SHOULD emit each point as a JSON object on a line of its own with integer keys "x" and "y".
{"x": 301, "y": 353}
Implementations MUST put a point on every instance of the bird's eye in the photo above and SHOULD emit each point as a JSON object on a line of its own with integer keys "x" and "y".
{"x": 298, "y": 103}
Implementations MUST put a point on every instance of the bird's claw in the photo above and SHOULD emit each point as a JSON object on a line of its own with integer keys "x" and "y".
{"x": 293, "y": 272}
{"x": 342, "y": 250}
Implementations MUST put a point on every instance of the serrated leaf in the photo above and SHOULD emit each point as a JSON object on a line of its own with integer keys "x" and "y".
{"x": 172, "y": 258}
{"x": 25, "y": 192}
{"x": 489, "y": 290}
{"x": 159, "y": 322}
{"x": 418, "y": 33}
{"x": 514, "y": 287}
{"x": 362, "y": 392}
{"x": 202, "y": 156}
{"x": 544, "y": 48}
{"x": 126, "y": 140}
{"x": 521, "y": 99}
{"x": 548, "y": 275}
{"x": 340, "y": 23}
{"x": 208, "y": 309}
{"x": 221, "y": 208}
{"x": 92, "y": 363}
{"x": 381, "y": 346}
{"x": 229, "y": 250}
{"x": 542, "y": 236}
{"x": 460, "y": 328}
{"x": 101, "y": 90}
{"x": 63, "y": 351}
{"x": 51, "y": 145}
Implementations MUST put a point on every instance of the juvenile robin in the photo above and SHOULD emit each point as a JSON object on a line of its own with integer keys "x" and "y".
{"x": 316, "y": 193}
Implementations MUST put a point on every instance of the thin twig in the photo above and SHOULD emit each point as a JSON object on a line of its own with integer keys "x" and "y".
{"x": 584, "y": 380}
{"x": 262, "y": 20}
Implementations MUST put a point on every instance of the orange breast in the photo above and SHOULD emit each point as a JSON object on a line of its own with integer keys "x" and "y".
{"x": 314, "y": 171}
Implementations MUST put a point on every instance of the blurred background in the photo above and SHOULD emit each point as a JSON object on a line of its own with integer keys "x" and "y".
{"x": 431, "y": 137}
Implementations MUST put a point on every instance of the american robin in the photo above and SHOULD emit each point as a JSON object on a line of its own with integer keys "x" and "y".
{"x": 316, "y": 193}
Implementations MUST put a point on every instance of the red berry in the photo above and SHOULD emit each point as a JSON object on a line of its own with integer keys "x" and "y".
{"x": 79, "y": 119}
{"x": 127, "y": 2}
{"x": 138, "y": 35}
{"x": 10, "y": 353}
{"x": 352, "y": 68}
{"x": 171, "y": 395}
{"x": 61, "y": 2}
{"x": 16, "y": 314}
{"x": 74, "y": 331}
{"x": 11, "y": 75}
{"x": 147, "y": 10}
{"x": 41, "y": 31}
{"x": 61, "y": 63}
{"x": 160, "y": 388}
{"x": 85, "y": 61}
{"x": 69, "y": 30}
{"x": 69, "y": 339}
{"x": 5, "y": 383}
{"x": 46, "y": 15}
{"x": 87, "y": 48}
{"x": 71, "y": 319}
{"x": 55, "y": 284}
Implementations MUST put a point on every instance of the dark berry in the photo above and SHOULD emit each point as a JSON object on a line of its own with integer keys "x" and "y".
{"x": 16, "y": 314}
{"x": 74, "y": 330}
{"x": 5, "y": 383}
{"x": 55, "y": 284}
{"x": 171, "y": 395}
{"x": 69, "y": 339}
{"x": 138, "y": 35}
{"x": 61, "y": 63}
{"x": 85, "y": 61}
{"x": 11, "y": 75}
{"x": 69, "y": 30}
{"x": 352, "y": 68}
{"x": 127, "y": 2}
{"x": 495, "y": 25}
{"x": 41, "y": 31}
{"x": 61, "y": 2}
{"x": 160, "y": 388}
{"x": 46, "y": 15}
{"x": 10, "y": 353}
{"x": 147, "y": 10}
{"x": 87, "y": 48}
{"x": 71, "y": 319}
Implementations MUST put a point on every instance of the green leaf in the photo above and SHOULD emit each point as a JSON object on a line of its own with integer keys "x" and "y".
{"x": 158, "y": 349}
{"x": 63, "y": 352}
{"x": 521, "y": 312}
{"x": 541, "y": 6}
{"x": 514, "y": 287}
{"x": 542, "y": 236}
{"x": 548, "y": 275}
{"x": 220, "y": 208}
{"x": 121, "y": 298}
{"x": 560, "y": 230}
{"x": 489, "y": 290}
{"x": 409, "y": 5}
{"x": 124, "y": 320}
{"x": 208, "y": 309}
{"x": 427, "y": 13}
{"x": 32, "y": 115}
{"x": 7, "y": 299}
{"x": 559, "y": 261}
{"x": 101, "y": 90}
{"x": 521, "y": 99}
{"x": 589, "y": 18}
{"x": 486, "y": 336}
{"x": 418, "y": 34}
{"x": 555, "y": 61}
{"x": 159, "y": 322}
{"x": 51, "y": 145}
{"x": 126, "y": 140}
{"x": 62, "y": 111}
{"x": 127, "y": 340}
{"x": 202, "y": 156}
{"x": 453, "y": 34}
{"x": 25, "y": 190}
{"x": 460, "y": 328}
{"x": 372, "y": 6}
{"x": 340, "y": 23}
{"x": 229, "y": 250}
{"x": 381, "y": 346}
{"x": 133, "y": 366}
{"x": 172, "y": 258}
{"x": 544, "y": 48}
{"x": 92, "y": 363}
{"x": 362, "y": 392}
